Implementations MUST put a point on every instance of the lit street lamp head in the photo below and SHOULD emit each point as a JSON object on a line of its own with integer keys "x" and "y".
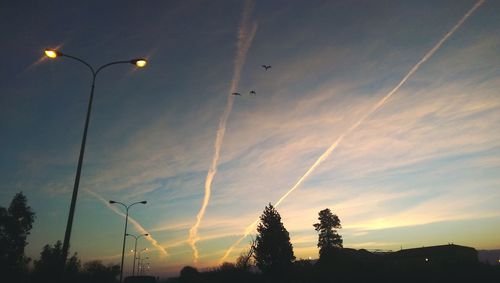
{"x": 52, "y": 53}
{"x": 141, "y": 62}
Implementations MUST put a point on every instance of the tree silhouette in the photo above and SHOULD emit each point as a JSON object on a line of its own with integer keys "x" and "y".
{"x": 273, "y": 251}
{"x": 96, "y": 272}
{"x": 15, "y": 224}
{"x": 244, "y": 261}
{"x": 47, "y": 267}
{"x": 189, "y": 274}
{"x": 329, "y": 241}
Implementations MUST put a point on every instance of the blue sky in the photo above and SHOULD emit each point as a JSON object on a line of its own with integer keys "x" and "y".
{"x": 421, "y": 170}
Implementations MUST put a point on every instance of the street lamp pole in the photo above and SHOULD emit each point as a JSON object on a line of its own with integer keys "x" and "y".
{"x": 125, "y": 233}
{"x": 135, "y": 249}
{"x": 52, "y": 53}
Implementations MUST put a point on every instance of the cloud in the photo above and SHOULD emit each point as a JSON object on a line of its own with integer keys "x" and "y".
{"x": 246, "y": 34}
{"x": 360, "y": 121}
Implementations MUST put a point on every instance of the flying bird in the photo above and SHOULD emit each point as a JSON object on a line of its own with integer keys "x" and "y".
{"x": 252, "y": 92}
{"x": 236, "y": 93}
{"x": 266, "y": 67}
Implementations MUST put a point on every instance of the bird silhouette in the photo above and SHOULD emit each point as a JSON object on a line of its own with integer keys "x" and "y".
{"x": 236, "y": 93}
{"x": 266, "y": 67}
{"x": 252, "y": 92}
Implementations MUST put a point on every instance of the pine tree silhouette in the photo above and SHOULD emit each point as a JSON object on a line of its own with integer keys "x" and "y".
{"x": 329, "y": 241}
{"x": 273, "y": 250}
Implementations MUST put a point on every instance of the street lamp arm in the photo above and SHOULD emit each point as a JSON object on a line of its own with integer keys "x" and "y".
{"x": 110, "y": 64}
{"x": 127, "y": 207}
{"x": 79, "y": 60}
{"x": 112, "y": 201}
{"x": 141, "y": 202}
{"x": 132, "y": 236}
{"x": 95, "y": 72}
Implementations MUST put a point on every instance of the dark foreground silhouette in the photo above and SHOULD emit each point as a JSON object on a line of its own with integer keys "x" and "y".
{"x": 448, "y": 263}
{"x": 269, "y": 259}
{"x": 140, "y": 279}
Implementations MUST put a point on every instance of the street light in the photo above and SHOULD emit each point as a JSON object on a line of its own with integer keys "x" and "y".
{"x": 145, "y": 266}
{"x": 139, "y": 265}
{"x": 135, "y": 248}
{"x": 53, "y": 54}
{"x": 125, "y": 233}
{"x": 140, "y": 62}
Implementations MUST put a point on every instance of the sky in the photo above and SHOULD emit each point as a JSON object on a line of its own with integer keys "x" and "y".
{"x": 386, "y": 112}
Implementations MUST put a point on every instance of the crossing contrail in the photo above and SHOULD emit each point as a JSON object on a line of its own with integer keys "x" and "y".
{"x": 379, "y": 104}
{"x": 246, "y": 33}
{"x": 134, "y": 222}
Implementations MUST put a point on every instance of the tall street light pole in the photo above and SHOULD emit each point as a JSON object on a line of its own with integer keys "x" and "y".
{"x": 52, "y": 53}
{"x": 127, "y": 207}
{"x": 135, "y": 248}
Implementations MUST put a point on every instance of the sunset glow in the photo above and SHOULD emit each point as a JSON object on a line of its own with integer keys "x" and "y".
{"x": 385, "y": 113}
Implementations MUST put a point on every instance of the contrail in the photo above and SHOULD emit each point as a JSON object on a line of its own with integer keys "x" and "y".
{"x": 379, "y": 104}
{"x": 246, "y": 34}
{"x": 136, "y": 224}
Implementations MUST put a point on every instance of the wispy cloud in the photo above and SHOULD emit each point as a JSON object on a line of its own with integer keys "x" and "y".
{"x": 246, "y": 34}
{"x": 354, "y": 126}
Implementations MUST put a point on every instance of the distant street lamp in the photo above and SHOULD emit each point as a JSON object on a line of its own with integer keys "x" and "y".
{"x": 145, "y": 266}
{"x": 135, "y": 248}
{"x": 142, "y": 271}
{"x": 53, "y": 53}
{"x": 139, "y": 262}
{"x": 125, "y": 233}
